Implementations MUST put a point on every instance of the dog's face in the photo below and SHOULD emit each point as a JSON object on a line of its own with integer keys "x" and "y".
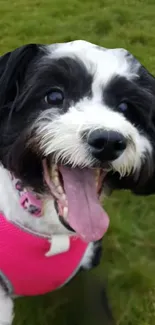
{"x": 76, "y": 118}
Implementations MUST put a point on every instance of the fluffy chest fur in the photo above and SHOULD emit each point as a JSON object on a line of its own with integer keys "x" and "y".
{"x": 47, "y": 224}
{"x": 28, "y": 270}
{"x": 86, "y": 111}
{"x": 26, "y": 240}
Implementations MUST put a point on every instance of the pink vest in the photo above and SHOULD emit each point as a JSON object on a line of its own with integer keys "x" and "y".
{"x": 25, "y": 267}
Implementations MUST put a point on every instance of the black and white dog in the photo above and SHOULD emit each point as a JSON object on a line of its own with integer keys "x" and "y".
{"x": 75, "y": 120}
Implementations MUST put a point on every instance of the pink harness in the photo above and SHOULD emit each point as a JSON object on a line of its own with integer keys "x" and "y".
{"x": 25, "y": 269}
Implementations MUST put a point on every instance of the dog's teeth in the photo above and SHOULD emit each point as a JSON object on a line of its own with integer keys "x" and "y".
{"x": 54, "y": 170}
{"x": 60, "y": 190}
{"x": 56, "y": 173}
{"x": 56, "y": 181}
{"x": 65, "y": 212}
{"x": 97, "y": 173}
{"x": 63, "y": 197}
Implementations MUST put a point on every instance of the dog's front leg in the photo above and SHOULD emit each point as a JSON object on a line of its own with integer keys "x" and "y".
{"x": 6, "y": 308}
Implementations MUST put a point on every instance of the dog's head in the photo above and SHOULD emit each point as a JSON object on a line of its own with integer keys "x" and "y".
{"x": 76, "y": 118}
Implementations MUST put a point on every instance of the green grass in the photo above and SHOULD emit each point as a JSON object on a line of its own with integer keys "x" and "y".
{"x": 128, "y": 262}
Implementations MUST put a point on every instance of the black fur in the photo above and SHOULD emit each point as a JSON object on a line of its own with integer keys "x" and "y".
{"x": 25, "y": 79}
{"x": 139, "y": 94}
{"x": 140, "y": 102}
{"x": 27, "y": 74}
{"x": 97, "y": 254}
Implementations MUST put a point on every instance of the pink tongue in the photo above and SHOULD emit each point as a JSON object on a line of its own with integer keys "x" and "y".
{"x": 85, "y": 215}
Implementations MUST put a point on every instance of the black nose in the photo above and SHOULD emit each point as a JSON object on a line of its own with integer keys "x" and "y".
{"x": 106, "y": 145}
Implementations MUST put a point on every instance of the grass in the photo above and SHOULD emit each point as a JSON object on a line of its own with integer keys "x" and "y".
{"x": 128, "y": 262}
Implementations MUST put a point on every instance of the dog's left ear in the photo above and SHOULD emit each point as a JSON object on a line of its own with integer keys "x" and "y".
{"x": 146, "y": 80}
{"x": 12, "y": 71}
{"x": 147, "y": 178}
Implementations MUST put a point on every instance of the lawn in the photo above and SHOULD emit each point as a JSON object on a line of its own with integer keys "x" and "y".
{"x": 128, "y": 263}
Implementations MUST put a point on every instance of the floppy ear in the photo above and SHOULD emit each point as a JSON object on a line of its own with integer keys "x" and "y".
{"x": 12, "y": 69}
{"x": 146, "y": 186}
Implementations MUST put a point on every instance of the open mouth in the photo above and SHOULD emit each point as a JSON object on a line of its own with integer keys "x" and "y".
{"x": 76, "y": 192}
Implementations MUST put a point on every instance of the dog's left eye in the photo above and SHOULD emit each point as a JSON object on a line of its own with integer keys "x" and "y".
{"x": 54, "y": 97}
{"x": 123, "y": 107}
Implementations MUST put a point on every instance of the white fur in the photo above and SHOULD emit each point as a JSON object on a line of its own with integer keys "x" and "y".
{"x": 60, "y": 244}
{"x": 61, "y": 134}
{"x": 86, "y": 262}
{"x": 87, "y": 116}
{"x": 6, "y": 303}
{"x": 6, "y": 308}
{"x": 46, "y": 226}
{"x": 9, "y": 205}
{"x": 104, "y": 62}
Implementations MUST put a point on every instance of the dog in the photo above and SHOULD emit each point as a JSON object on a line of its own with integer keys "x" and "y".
{"x": 76, "y": 121}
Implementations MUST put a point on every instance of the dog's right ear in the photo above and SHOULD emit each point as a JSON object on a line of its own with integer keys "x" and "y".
{"x": 3, "y": 62}
{"x": 12, "y": 71}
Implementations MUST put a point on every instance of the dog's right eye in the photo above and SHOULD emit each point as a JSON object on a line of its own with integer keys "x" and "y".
{"x": 54, "y": 97}
{"x": 123, "y": 107}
